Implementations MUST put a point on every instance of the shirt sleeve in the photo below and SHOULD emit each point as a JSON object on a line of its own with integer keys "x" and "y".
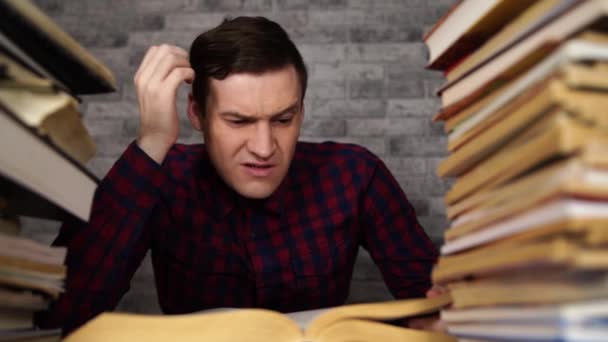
{"x": 104, "y": 253}
{"x": 395, "y": 240}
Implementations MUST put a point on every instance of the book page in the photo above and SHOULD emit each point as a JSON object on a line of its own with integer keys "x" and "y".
{"x": 377, "y": 311}
{"x": 304, "y": 318}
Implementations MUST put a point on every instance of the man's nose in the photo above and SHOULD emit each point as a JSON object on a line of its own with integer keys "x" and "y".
{"x": 262, "y": 144}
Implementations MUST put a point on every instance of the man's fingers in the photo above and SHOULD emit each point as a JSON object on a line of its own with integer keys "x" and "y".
{"x": 436, "y": 290}
{"x": 179, "y": 51}
{"x": 177, "y": 76}
{"x": 157, "y": 56}
{"x": 166, "y": 66}
{"x": 144, "y": 62}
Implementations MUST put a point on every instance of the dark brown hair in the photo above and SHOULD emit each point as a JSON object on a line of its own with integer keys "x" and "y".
{"x": 243, "y": 44}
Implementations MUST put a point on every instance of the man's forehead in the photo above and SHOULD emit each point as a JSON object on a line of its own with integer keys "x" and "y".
{"x": 249, "y": 93}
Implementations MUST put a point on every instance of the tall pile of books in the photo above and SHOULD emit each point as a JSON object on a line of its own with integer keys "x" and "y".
{"x": 525, "y": 107}
{"x": 43, "y": 147}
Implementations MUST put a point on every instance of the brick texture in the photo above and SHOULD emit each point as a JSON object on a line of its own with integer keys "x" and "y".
{"x": 367, "y": 86}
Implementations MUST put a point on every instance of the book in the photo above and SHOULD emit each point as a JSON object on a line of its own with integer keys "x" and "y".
{"x": 11, "y": 298}
{"x": 552, "y": 213}
{"x": 26, "y": 264}
{"x": 51, "y": 112}
{"x": 29, "y": 250}
{"x": 582, "y": 182}
{"x": 465, "y": 27}
{"x": 535, "y": 286}
{"x": 346, "y": 323}
{"x": 574, "y": 177}
{"x": 525, "y": 53}
{"x": 556, "y": 252}
{"x": 8, "y": 48}
{"x": 570, "y": 313}
{"x": 586, "y": 47}
{"x": 532, "y": 332}
{"x": 23, "y": 153}
{"x": 31, "y": 335}
{"x": 519, "y": 114}
{"x": 530, "y": 20}
{"x": 545, "y": 318}
{"x": 15, "y": 319}
{"x": 554, "y": 135}
{"x": 590, "y": 76}
{"x": 578, "y": 63}
{"x": 9, "y": 225}
{"x": 25, "y": 26}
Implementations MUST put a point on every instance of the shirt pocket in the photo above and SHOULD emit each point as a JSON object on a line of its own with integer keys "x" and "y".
{"x": 205, "y": 274}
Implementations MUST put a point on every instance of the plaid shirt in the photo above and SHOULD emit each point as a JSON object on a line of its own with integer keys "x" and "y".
{"x": 212, "y": 248}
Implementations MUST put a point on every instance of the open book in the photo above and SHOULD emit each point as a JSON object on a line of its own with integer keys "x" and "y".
{"x": 358, "y": 322}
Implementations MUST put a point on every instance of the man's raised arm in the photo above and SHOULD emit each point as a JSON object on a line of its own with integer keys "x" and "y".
{"x": 104, "y": 253}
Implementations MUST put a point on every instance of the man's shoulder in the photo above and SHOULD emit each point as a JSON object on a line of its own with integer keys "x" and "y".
{"x": 331, "y": 153}
{"x": 183, "y": 158}
{"x": 186, "y": 152}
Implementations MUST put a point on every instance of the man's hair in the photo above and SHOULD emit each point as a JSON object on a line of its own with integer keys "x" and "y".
{"x": 242, "y": 45}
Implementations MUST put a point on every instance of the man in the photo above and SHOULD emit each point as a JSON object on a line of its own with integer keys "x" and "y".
{"x": 252, "y": 218}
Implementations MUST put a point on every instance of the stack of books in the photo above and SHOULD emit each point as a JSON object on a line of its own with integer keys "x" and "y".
{"x": 525, "y": 107}
{"x": 43, "y": 148}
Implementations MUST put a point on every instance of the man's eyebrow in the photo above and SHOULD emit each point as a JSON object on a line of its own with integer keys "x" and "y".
{"x": 292, "y": 108}
{"x": 237, "y": 115}
{"x": 242, "y": 116}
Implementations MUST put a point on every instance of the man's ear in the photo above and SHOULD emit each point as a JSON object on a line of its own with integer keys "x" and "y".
{"x": 194, "y": 113}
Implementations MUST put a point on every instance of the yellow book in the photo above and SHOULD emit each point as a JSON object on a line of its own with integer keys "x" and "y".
{"x": 480, "y": 114}
{"x": 461, "y": 116}
{"x": 557, "y": 134}
{"x": 541, "y": 10}
{"x": 584, "y": 47}
{"x": 52, "y": 113}
{"x": 465, "y": 27}
{"x": 509, "y": 121}
{"x": 39, "y": 42}
{"x": 527, "y": 52}
{"x": 578, "y": 176}
{"x": 575, "y": 182}
{"x": 559, "y": 251}
{"x": 356, "y": 322}
{"x": 22, "y": 300}
{"x": 540, "y": 217}
{"x": 535, "y": 286}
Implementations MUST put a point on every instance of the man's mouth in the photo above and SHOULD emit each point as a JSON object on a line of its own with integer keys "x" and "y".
{"x": 259, "y": 166}
{"x": 258, "y": 170}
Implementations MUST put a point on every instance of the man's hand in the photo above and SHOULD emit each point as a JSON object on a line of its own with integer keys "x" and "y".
{"x": 162, "y": 70}
{"x": 433, "y": 322}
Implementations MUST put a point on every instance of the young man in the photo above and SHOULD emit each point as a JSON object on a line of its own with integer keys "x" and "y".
{"x": 252, "y": 218}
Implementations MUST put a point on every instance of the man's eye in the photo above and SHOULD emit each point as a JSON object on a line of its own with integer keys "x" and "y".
{"x": 238, "y": 122}
{"x": 284, "y": 121}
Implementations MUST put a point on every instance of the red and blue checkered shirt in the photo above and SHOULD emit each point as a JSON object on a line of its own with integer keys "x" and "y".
{"x": 212, "y": 248}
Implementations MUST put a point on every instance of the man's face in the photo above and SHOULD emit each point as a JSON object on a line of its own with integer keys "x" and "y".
{"x": 251, "y": 126}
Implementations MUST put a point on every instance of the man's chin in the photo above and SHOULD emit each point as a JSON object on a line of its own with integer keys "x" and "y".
{"x": 256, "y": 191}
